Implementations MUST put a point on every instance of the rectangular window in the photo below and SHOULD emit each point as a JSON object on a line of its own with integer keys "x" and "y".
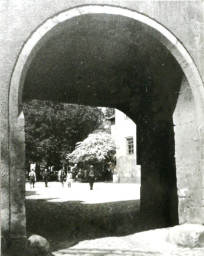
{"x": 130, "y": 145}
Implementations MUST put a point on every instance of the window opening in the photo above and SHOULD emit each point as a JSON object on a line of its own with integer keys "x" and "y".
{"x": 130, "y": 145}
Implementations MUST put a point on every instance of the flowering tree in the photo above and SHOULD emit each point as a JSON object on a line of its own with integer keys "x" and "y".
{"x": 97, "y": 149}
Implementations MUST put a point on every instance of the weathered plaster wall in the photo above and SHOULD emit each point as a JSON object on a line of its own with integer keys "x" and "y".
{"x": 126, "y": 164}
{"x": 189, "y": 176}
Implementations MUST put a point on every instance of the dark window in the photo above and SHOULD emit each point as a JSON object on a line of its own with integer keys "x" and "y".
{"x": 130, "y": 145}
{"x": 113, "y": 121}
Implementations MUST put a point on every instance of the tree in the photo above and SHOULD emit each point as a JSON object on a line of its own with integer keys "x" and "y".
{"x": 109, "y": 112}
{"x": 53, "y": 129}
{"x": 97, "y": 149}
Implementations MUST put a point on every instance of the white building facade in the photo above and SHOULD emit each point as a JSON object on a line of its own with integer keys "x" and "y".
{"x": 123, "y": 131}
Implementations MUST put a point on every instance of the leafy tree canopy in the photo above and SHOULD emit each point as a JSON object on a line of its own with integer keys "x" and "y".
{"x": 53, "y": 129}
{"x": 96, "y": 148}
{"x": 109, "y": 112}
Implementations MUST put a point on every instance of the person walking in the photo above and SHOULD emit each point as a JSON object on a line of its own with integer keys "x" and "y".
{"x": 32, "y": 178}
{"x": 91, "y": 177}
{"x": 73, "y": 170}
{"x": 61, "y": 176}
{"x": 46, "y": 177}
{"x": 69, "y": 179}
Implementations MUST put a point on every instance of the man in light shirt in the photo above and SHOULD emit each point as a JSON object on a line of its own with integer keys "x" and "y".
{"x": 32, "y": 178}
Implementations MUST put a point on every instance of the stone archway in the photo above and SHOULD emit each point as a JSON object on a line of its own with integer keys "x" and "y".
{"x": 192, "y": 85}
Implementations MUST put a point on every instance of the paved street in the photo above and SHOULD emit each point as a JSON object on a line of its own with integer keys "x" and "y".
{"x": 67, "y": 216}
{"x": 104, "y": 221}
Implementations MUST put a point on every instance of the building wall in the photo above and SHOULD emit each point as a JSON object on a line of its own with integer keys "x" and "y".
{"x": 126, "y": 164}
{"x": 19, "y": 19}
{"x": 189, "y": 175}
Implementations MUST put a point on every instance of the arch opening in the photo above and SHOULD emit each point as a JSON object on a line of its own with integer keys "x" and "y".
{"x": 124, "y": 65}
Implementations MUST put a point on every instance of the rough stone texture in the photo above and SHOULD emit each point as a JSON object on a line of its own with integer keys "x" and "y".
{"x": 187, "y": 148}
{"x": 17, "y": 179}
{"x": 37, "y": 246}
{"x": 151, "y": 242}
{"x": 189, "y": 235}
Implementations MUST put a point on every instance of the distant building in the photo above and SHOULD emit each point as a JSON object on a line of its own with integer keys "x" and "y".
{"x": 33, "y": 166}
{"x": 123, "y": 131}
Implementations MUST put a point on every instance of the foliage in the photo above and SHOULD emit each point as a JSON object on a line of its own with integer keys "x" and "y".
{"x": 53, "y": 129}
{"x": 105, "y": 124}
{"x": 96, "y": 148}
{"x": 109, "y": 112}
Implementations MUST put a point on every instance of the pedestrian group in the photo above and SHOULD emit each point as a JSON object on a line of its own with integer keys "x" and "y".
{"x": 63, "y": 177}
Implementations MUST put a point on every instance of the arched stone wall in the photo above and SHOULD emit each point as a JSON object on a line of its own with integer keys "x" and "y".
{"x": 16, "y": 134}
{"x": 187, "y": 154}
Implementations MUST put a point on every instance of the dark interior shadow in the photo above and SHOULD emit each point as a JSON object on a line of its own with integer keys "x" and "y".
{"x": 64, "y": 224}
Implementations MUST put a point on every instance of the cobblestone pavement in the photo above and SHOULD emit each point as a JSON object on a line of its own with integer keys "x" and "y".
{"x": 104, "y": 221}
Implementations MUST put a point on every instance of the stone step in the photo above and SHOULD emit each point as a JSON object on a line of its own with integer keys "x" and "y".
{"x": 136, "y": 252}
{"x": 103, "y": 252}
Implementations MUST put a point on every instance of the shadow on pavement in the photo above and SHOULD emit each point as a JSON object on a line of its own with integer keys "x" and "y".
{"x": 64, "y": 224}
{"x": 31, "y": 193}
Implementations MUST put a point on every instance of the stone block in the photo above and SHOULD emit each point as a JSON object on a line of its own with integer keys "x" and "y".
{"x": 37, "y": 246}
{"x": 183, "y": 192}
{"x": 188, "y": 235}
{"x": 196, "y": 215}
{"x": 183, "y": 210}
